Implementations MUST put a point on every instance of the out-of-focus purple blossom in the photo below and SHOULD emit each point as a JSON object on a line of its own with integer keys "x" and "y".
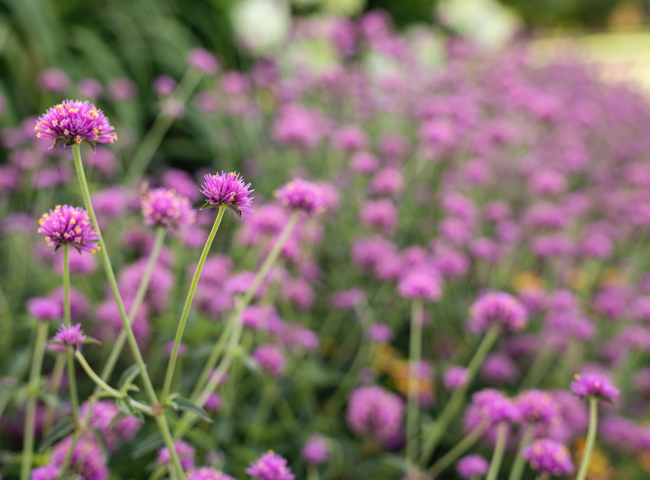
{"x": 207, "y": 473}
{"x": 182, "y": 182}
{"x": 213, "y": 402}
{"x": 499, "y": 368}
{"x": 299, "y": 292}
{"x": 373, "y": 411}
{"x": 46, "y": 472}
{"x": 299, "y": 126}
{"x": 203, "y": 61}
{"x": 298, "y": 337}
{"x": 549, "y": 457}
{"x": 455, "y": 377}
{"x": 388, "y": 181}
{"x": 53, "y": 80}
{"x": 495, "y": 407}
{"x": 472, "y": 466}
{"x": 497, "y": 308}
{"x": 350, "y": 138}
{"x": 270, "y": 359}
{"x": 300, "y": 194}
{"x": 44, "y": 309}
{"x": 348, "y": 299}
{"x": 103, "y": 160}
{"x": 379, "y": 333}
{"x": 122, "y": 89}
{"x": 270, "y": 466}
{"x": 185, "y": 452}
{"x": 78, "y": 302}
{"x": 594, "y": 385}
{"x": 380, "y": 214}
{"x": 87, "y": 459}
{"x": 421, "y": 284}
{"x": 102, "y": 419}
{"x": 90, "y": 88}
{"x": 163, "y": 85}
{"x": 364, "y": 163}
{"x": 315, "y": 450}
{"x": 536, "y": 407}
{"x": 166, "y": 208}
{"x": 109, "y": 322}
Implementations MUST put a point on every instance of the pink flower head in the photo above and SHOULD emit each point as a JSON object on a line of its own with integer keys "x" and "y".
{"x": 90, "y": 88}
{"x": 588, "y": 385}
{"x": 72, "y": 336}
{"x": 270, "y": 359}
{"x": 472, "y": 466}
{"x": 375, "y": 411}
{"x": 497, "y": 308}
{"x": 380, "y": 214}
{"x": 44, "y": 309}
{"x": 164, "y": 85}
{"x": 270, "y": 466}
{"x": 53, "y": 80}
{"x": 164, "y": 207}
{"x": 185, "y": 453}
{"x": 300, "y": 194}
{"x": 74, "y": 121}
{"x": 455, "y": 378}
{"x": 364, "y": 162}
{"x": 549, "y": 457}
{"x": 316, "y": 450}
{"x": 379, "y": 333}
{"x": 207, "y": 473}
{"x": 227, "y": 189}
{"x": 203, "y": 61}
{"x": 537, "y": 407}
{"x": 421, "y": 284}
{"x": 122, "y": 89}
{"x": 494, "y": 406}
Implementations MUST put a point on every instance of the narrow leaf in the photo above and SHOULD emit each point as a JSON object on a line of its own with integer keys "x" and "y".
{"x": 57, "y": 432}
{"x": 129, "y": 375}
{"x": 190, "y": 406}
{"x": 148, "y": 444}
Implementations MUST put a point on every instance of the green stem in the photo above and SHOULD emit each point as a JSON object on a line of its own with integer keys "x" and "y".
{"x": 30, "y": 411}
{"x": 94, "y": 377}
{"x": 591, "y": 438}
{"x": 144, "y": 375}
{"x": 262, "y": 412}
{"x": 499, "y": 448}
{"x": 154, "y": 136}
{"x": 519, "y": 464}
{"x": 55, "y": 383}
{"x": 312, "y": 471}
{"x": 114, "y": 354}
{"x": 171, "y": 365}
{"x": 68, "y": 455}
{"x": 461, "y": 447}
{"x": 74, "y": 401}
{"x": 457, "y": 398}
{"x": 413, "y": 406}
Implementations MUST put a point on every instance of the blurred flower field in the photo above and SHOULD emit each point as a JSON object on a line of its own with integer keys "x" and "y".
{"x": 370, "y": 253}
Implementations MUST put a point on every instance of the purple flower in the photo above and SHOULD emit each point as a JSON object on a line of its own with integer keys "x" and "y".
{"x": 495, "y": 407}
{"x": 44, "y": 309}
{"x": 74, "y": 121}
{"x": 421, "y": 284}
{"x": 185, "y": 453}
{"x": 348, "y": 299}
{"x": 300, "y": 194}
{"x": 53, "y": 80}
{"x": 66, "y": 225}
{"x": 388, "y": 181}
{"x": 315, "y": 450}
{"x": 103, "y": 417}
{"x": 71, "y": 336}
{"x": 380, "y": 214}
{"x": 87, "y": 459}
{"x": 537, "y": 407}
{"x": 379, "y": 333}
{"x": 122, "y": 89}
{"x": 549, "y": 457}
{"x": 47, "y": 472}
{"x": 90, "y": 88}
{"x": 594, "y": 385}
{"x": 213, "y": 402}
{"x": 364, "y": 162}
{"x": 203, "y": 61}
{"x": 472, "y": 466}
{"x": 499, "y": 368}
{"x": 455, "y": 377}
{"x": 374, "y": 411}
{"x": 270, "y": 466}
{"x": 163, "y": 85}
{"x": 164, "y": 207}
{"x": 207, "y": 473}
{"x": 227, "y": 189}
{"x": 497, "y": 308}
{"x": 270, "y": 359}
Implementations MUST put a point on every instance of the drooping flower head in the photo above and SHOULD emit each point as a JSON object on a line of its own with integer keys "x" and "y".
{"x": 594, "y": 385}
{"x": 497, "y": 308}
{"x": 270, "y": 466}
{"x": 164, "y": 207}
{"x": 74, "y": 121}
{"x": 71, "y": 336}
{"x": 227, "y": 189}
{"x": 472, "y": 466}
{"x": 549, "y": 457}
{"x": 300, "y": 194}
{"x": 207, "y": 473}
{"x": 315, "y": 450}
{"x": 185, "y": 454}
{"x": 66, "y": 225}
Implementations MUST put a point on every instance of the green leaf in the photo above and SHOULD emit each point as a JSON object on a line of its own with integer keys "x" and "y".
{"x": 129, "y": 375}
{"x": 201, "y": 439}
{"x": 251, "y": 364}
{"x": 124, "y": 404}
{"x": 207, "y": 206}
{"x": 89, "y": 340}
{"x": 148, "y": 444}
{"x": 62, "y": 429}
{"x": 234, "y": 209}
{"x": 190, "y": 406}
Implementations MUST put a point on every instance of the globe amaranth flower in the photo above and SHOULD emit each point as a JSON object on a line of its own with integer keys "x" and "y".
{"x": 300, "y": 194}
{"x": 44, "y": 309}
{"x": 72, "y": 335}
{"x": 185, "y": 454}
{"x": 497, "y": 308}
{"x": 537, "y": 407}
{"x": 66, "y": 225}
{"x": 87, "y": 459}
{"x": 315, "y": 450}
{"x": 207, "y": 473}
{"x": 74, "y": 121}
{"x": 421, "y": 284}
{"x": 375, "y": 411}
{"x": 472, "y": 466}
{"x": 46, "y": 472}
{"x": 495, "y": 407}
{"x": 229, "y": 190}
{"x": 164, "y": 207}
{"x": 549, "y": 457}
{"x": 270, "y": 466}
{"x": 455, "y": 377}
{"x": 594, "y": 385}
{"x": 270, "y": 359}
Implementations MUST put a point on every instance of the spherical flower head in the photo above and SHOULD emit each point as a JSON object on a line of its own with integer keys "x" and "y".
{"x": 549, "y": 457}
{"x": 44, "y": 309}
{"x": 74, "y": 121}
{"x": 163, "y": 85}
{"x": 499, "y": 368}
{"x": 421, "y": 284}
{"x": 47, "y": 472}
{"x": 53, "y": 80}
{"x": 379, "y": 333}
{"x": 497, "y": 308}
{"x": 213, "y": 402}
{"x": 185, "y": 453}
{"x": 270, "y": 359}
{"x": 537, "y": 407}
{"x": 300, "y": 194}
{"x": 90, "y": 88}
{"x": 374, "y": 411}
{"x": 472, "y": 466}
{"x": 495, "y": 407}
{"x": 270, "y": 466}
{"x": 229, "y": 190}
{"x": 207, "y": 473}
{"x": 203, "y": 61}
{"x": 315, "y": 450}
{"x": 87, "y": 459}
{"x": 66, "y": 225}
{"x": 594, "y": 385}
{"x": 455, "y": 378}
{"x": 164, "y": 207}
{"x": 71, "y": 336}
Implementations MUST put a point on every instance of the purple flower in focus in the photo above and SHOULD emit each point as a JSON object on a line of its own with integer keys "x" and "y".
{"x": 74, "y": 121}
{"x": 374, "y": 411}
{"x": 227, "y": 189}
{"x": 44, "y": 309}
{"x": 472, "y": 466}
{"x": 207, "y": 473}
{"x": 588, "y": 385}
{"x": 270, "y": 466}
{"x": 300, "y": 194}
{"x": 455, "y": 377}
{"x": 497, "y": 308}
{"x": 315, "y": 450}
{"x": 185, "y": 453}
{"x": 166, "y": 208}
{"x": 71, "y": 336}
{"x": 270, "y": 359}
{"x": 549, "y": 457}
{"x": 203, "y": 61}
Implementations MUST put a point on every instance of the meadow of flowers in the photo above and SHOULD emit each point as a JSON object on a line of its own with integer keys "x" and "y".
{"x": 404, "y": 262}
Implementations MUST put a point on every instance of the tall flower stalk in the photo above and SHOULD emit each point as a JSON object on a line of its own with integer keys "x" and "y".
{"x": 413, "y": 405}
{"x": 499, "y": 449}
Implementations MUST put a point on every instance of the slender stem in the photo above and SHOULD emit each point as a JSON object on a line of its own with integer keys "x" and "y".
{"x": 312, "y": 471}
{"x": 591, "y": 438}
{"x": 461, "y": 447}
{"x": 74, "y": 401}
{"x": 55, "y": 383}
{"x": 519, "y": 464}
{"x": 456, "y": 400}
{"x": 171, "y": 365}
{"x": 94, "y": 377}
{"x": 135, "y": 306}
{"x": 499, "y": 448}
{"x": 262, "y": 412}
{"x": 144, "y": 375}
{"x": 68, "y": 455}
{"x": 30, "y": 411}
{"x": 413, "y": 406}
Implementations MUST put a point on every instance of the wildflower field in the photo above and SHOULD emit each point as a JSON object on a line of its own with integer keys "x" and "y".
{"x": 376, "y": 254}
